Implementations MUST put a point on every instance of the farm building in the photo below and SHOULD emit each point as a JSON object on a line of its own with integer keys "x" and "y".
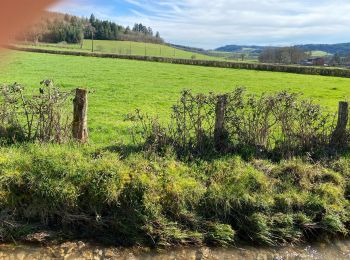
{"x": 313, "y": 62}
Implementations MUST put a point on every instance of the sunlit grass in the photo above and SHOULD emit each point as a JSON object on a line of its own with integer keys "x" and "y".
{"x": 121, "y": 86}
{"x": 128, "y": 48}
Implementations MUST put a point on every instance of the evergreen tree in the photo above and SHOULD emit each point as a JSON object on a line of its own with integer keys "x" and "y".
{"x": 92, "y": 19}
{"x": 72, "y": 29}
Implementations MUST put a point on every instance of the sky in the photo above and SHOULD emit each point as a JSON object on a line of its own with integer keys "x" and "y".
{"x": 213, "y": 23}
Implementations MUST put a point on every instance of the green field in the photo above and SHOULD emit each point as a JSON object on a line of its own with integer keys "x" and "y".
{"x": 236, "y": 56}
{"x": 102, "y": 192}
{"x": 121, "y": 86}
{"x": 319, "y": 54}
{"x": 128, "y": 48}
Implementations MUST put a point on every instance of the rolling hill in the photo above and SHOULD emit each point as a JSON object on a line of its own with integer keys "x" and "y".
{"x": 126, "y": 48}
{"x": 340, "y": 48}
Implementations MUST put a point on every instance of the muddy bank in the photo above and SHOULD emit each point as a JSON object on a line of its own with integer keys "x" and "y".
{"x": 81, "y": 250}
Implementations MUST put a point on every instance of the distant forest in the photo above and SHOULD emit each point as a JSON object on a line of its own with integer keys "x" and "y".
{"x": 57, "y": 27}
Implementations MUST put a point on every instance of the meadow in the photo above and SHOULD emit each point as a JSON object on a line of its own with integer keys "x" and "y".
{"x": 319, "y": 54}
{"x": 128, "y": 48}
{"x": 118, "y": 87}
{"x": 159, "y": 200}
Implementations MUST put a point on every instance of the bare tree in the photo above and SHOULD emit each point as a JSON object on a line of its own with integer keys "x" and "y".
{"x": 284, "y": 55}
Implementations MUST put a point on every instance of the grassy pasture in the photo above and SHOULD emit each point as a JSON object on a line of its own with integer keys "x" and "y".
{"x": 129, "y": 48}
{"x": 319, "y": 54}
{"x": 157, "y": 201}
{"x": 121, "y": 86}
{"x": 236, "y": 56}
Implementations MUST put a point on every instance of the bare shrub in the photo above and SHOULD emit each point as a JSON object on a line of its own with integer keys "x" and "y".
{"x": 249, "y": 119}
{"x": 41, "y": 117}
{"x": 190, "y": 127}
{"x": 306, "y": 128}
{"x": 280, "y": 124}
{"x": 149, "y": 132}
{"x": 191, "y": 121}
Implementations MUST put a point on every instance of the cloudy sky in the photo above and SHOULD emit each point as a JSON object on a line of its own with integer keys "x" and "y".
{"x": 210, "y": 24}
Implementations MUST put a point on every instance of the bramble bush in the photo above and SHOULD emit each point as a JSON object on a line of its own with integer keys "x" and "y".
{"x": 42, "y": 117}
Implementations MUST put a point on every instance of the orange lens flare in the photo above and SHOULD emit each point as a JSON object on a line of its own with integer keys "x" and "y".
{"x": 16, "y": 15}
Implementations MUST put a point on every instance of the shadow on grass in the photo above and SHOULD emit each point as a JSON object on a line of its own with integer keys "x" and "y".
{"x": 125, "y": 150}
{"x": 247, "y": 153}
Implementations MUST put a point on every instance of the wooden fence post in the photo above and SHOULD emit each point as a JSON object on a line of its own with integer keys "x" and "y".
{"x": 340, "y": 132}
{"x": 220, "y": 133}
{"x": 80, "y": 129}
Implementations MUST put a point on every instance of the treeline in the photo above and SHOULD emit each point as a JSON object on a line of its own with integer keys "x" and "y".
{"x": 338, "y": 60}
{"x": 341, "y": 49}
{"x": 57, "y": 27}
{"x": 54, "y": 28}
{"x": 106, "y": 30}
{"x": 295, "y": 55}
{"x": 283, "y": 55}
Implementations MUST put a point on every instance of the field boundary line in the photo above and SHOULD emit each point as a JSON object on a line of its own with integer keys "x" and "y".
{"x": 333, "y": 72}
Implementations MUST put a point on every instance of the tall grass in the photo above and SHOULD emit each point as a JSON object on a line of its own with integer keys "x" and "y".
{"x": 160, "y": 201}
{"x": 135, "y": 198}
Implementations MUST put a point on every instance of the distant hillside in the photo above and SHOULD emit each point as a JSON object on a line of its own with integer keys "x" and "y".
{"x": 340, "y": 48}
{"x": 123, "y": 48}
{"x": 186, "y": 48}
{"x": 241, "y": 48}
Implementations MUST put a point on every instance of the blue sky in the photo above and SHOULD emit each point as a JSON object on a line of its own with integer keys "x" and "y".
{"x": 210, "y": 24}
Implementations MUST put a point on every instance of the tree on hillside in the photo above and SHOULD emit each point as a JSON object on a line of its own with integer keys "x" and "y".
{"x": 36, "y": 32}
{"x": 336, "y": 60}
{"x": 56, "y": 27}
{"x": 92, "y": 19}
{"x": 150, "y": 31}
{"x": 283, "y": 55}
{"x": 90, "y": 32}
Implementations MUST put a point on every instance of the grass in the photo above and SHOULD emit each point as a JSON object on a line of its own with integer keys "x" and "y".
{"x": 236, "y": 56}
{"x": 159, "y": 201}
{"x": 319, "y": 54}
{"x": 143, "y": 199}
{"x": 128, "y": 48}
{"x": 121, "y": 86}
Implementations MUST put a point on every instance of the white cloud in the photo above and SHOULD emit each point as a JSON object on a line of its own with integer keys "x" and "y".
{"x": 210, "y": 24}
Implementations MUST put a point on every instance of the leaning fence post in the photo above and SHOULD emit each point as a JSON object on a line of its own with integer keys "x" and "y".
{"x": 340, "y": 131}
{"x": 80, "y": 130}
{"x": 220, "y": 133}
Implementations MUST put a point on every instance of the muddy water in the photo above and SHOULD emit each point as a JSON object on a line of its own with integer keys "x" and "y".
{"x": 80, "y": 250}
